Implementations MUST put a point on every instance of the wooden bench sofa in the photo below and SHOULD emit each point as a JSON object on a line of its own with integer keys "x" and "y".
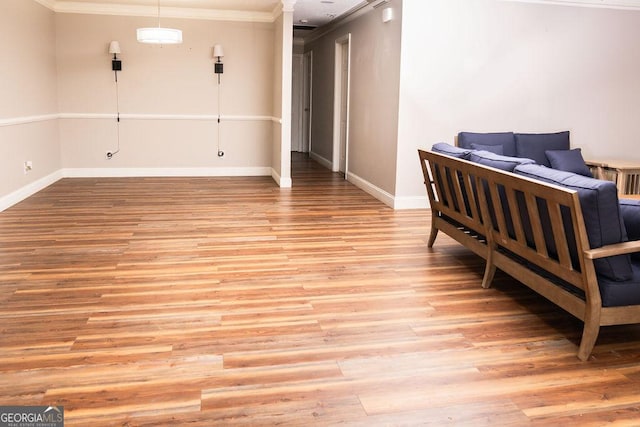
{"x": 537, "y": 232}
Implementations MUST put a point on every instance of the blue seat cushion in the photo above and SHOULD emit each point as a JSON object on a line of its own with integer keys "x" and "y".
{"x": 630, "y": 211}
{"x": 506, "y": 163}
{"x": 615, "y": 293}
{"x": 504, "y": 139}
{"x": 450, "y": 150}
{"x": 534, "y": 145}
{"x": 602, "y": 217}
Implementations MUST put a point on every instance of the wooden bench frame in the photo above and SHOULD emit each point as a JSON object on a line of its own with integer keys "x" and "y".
{"x": 459, "y": 210}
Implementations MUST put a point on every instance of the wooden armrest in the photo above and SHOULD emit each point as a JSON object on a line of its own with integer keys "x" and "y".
{"x": 615, "y": 249}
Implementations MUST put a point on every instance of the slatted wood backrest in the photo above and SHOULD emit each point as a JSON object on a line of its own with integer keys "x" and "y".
{"x": 539, "y": 222}
{"x": 451, "y": 189}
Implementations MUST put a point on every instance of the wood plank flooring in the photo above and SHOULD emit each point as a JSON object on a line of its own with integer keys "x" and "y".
{"x": 230, "y": 301}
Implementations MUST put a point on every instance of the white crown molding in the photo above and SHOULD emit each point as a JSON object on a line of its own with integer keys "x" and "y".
{"x": 349, "y": 16}
{"x": 369, "y": 5}
{"x": 50, "y": 4}
{"x": 97, "y": 8}
{"x": 603, "y": 4}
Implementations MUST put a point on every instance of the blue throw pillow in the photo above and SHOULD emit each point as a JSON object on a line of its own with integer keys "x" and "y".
{"x": 450, "y": 150}
{"x": 569, "y": 161}
{"x": 505, "y": 139}
{"x": 534, "y": 145}
{"x": 496, "y": 149}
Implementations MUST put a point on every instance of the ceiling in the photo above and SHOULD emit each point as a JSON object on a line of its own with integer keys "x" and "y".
{"x": 311, "y": 13}
{"x": 320, "y": 12}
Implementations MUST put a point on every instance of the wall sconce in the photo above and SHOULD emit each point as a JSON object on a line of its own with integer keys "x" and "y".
{"x": 387, "y": 14}
{"x": 116, "y": 64}
{"x": 218, "y": 54}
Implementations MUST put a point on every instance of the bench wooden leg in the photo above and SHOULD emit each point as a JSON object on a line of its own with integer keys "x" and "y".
{"x": 489, "y": 272}
{"x": 589, "y": 334}
{"x": 433, "y": 234}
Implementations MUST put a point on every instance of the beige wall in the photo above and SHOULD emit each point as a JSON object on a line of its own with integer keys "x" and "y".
{"x": 375, "y": 75}
{"x": 177, "y": 81}
{"x": 491, "y": 65}
{"x": 28, "y": 129}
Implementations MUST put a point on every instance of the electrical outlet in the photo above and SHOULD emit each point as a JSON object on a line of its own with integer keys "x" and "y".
{"x": 28, "y": 166}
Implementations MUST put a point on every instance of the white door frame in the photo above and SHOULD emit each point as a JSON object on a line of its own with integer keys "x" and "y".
{"x": 307, "y": 67}
{"x": 341, "y": 44}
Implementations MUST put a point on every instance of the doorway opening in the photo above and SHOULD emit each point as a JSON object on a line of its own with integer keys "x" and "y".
{"x": 301, "y": 102}
{"x": 341, "y": 105}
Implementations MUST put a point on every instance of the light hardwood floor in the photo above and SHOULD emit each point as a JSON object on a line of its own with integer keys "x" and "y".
{"x": 230, "y": 301}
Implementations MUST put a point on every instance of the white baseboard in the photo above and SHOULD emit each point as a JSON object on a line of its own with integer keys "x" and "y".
{"x": 28, "y": 190}
{"x": 390, "y": 200}
{"x": 324, "y": 162}
{"x": 160, "y": 172}
{"x": 415, "y": 202}
{"x": 282, "y": 182}
{"x": 368, "y": 187}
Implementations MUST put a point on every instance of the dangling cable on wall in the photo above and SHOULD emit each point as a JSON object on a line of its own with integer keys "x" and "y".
{"x": 116, "y": 65}
{"x": 220, "y": 152}
{"x": 218, "y": 53}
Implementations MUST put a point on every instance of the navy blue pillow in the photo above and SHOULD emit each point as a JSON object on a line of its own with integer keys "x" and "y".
{"x": 534, "y": 145}
{"x": 569, "y": 161}
{"x": 497, "y": 149}
{"x": 497, "y": 161}
{"x": 601, "y": 213}
{"x": 505, "y": 139}
{"x": 450, "y": 150}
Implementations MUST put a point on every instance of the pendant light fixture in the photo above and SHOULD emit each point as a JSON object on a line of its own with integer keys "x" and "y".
{"x": 159, "y": 35}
